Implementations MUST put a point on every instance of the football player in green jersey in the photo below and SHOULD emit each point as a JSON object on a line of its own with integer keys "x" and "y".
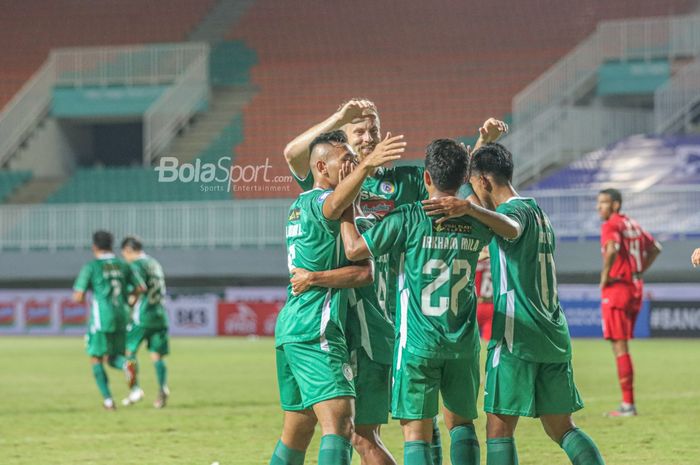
{"x": 384, "y": 190}
{"x": 149, "y": 320}
{"x": 107, "y": 277}
{"x": 314, "y": 376}
{"x": 438, "y": 347}
{"x": 528, "y": 368}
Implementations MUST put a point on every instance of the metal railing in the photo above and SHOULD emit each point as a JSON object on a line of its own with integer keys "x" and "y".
{"x": 666, "y": 210}
{"x": 562, "y": 134}
{"x": 92, "y": 66}
{"x": 175, "y": 107}
{"x": 675, "y": 100}
{"x": 613, "y": 40}
{"x": 125, "y": 65}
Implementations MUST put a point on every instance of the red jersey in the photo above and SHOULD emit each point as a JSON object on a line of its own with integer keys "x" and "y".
{"x": 633, "y": 245}
{"x": 482, "y": 280}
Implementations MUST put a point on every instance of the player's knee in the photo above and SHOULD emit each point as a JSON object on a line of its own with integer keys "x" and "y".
{"x": 346, "y": 427}
{"x": 365, "y": 437}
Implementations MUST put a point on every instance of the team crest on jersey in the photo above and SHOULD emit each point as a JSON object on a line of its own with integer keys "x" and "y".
{"x": 347, "y": 372}
{"x": 387, "y": 187}
{"x": 295, "y": 214}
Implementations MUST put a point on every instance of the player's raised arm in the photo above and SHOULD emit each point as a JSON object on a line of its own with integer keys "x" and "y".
{"x": 347, "y": 277}
{"x": 297, "y": 154}
{"x": 490, "y": 131}
{"x": 352, "y": 176}
{"x": 452, "y": 207}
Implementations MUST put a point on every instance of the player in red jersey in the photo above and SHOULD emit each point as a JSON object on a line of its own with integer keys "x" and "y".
{"x": 628, "y": 251}
{"x": 484, "y": 292}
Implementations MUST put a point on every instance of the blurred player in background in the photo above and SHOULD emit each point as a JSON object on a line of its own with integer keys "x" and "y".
{"x": 437, "y": 352}
{"x": 483, "y": 285}
{"x": 314, "y": 375}
{"x": 695, "y": 257}
{"x": 528, "y": 368}
{"x": 628, "y": 251}
{"x": 384, "y": 190}
{"x": 149, "y": 320}
{"x": 108, "y": 278}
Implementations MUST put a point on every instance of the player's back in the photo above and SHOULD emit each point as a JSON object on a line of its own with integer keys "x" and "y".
{"x": 149, "y": 311}
{"x": 632, "y": 243}
{"x": 108, "y": 277}
{"x": 437, "y": 305}
{"x": 313, "y": 243}
{"x": 528, "y": 317}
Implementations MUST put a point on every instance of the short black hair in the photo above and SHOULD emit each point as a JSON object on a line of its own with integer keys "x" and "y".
{"x": 615, "y": 195}
{"x": 103, "y": 240}
{"x": 133, "y": 243}
{"x": 447, "y": 162}
{"x": 493, "y": 159}
{"x": 336, "y": 137}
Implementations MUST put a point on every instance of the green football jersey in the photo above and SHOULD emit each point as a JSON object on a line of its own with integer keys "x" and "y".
{"x": 313, "y": 243}
{"x": 108, "y": 277}
{"x": 527, "y": 315}
{"x": 149, "y": 311}
{"x": 437, "y": 304}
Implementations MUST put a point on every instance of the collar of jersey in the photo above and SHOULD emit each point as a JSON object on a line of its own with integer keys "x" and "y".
{"x": 518, "y": 198}
{"x": 311, "y": 190}
{"x": 105, "y": 256}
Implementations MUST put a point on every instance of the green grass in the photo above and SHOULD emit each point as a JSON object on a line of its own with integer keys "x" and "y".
{"x": 224, "y": 407}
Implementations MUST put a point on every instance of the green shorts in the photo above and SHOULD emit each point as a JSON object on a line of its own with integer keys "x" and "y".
{"x": 309, "y": 373}
{"x": 372, "y": 389}
{"x": 528, "y": 389}
{"x": 99, "y": 344}
{"x": 419, "y": 381}
{"x": 156, "y": 339}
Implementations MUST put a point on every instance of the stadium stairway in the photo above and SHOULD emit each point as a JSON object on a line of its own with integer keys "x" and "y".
{"x": 226, "y": 104}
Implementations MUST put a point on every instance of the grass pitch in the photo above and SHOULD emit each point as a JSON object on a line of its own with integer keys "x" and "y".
{"x": 224, "y": 407}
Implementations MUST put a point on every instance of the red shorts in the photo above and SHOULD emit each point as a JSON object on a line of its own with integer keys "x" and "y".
{"x": 484, "y": 317}
{"x": 620, "y": 306}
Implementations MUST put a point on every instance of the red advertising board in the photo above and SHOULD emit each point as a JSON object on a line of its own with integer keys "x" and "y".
{"x": 243, "y": 318}
{"x": 7, "y": 314}
{"x": 37, "y": 313}
{"x": 73, "y": 314}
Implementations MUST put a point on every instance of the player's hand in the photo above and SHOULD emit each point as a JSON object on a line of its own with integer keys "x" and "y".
{"x": 695, "y": 258}
{"x": 346, "y": 168}
{"x": 300, "y": 280}
{"x": 492, "y": 130}
{"x": 388, "y": 150}
{"x": 355, "y": 109}
{"x": 604, "y": 280}
{"x": 449, "y": 207}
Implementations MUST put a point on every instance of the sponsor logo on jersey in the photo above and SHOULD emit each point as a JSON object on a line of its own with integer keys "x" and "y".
{"x": 295, "y": 214}
{"x": 453, "y": 228}
{"x": 377, "y": 208}
{"x": 387, "y": 187}
{"x": 347, "y": 372}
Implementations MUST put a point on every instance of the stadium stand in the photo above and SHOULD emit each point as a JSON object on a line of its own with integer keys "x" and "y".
{"x": 33, "y": 29}
{"x": 302, "y": 77}
{"x": 10, "y": 181}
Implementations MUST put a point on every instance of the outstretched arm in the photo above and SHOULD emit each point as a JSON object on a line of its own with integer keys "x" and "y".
{"x": 346, "y": 277}
{"x": 297, "y": 151}
{"x": 452, "y": 207}
{"x": 355, "y": 247}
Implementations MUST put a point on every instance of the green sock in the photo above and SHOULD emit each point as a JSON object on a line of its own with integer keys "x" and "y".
{"x": 501, "y": 451}
{"x": 283, "y": 455}
{"x": 580, "y": 448}
{"x": 436, "y": 444}
{"x": 101, "y": 379}
{"x": 117, "y": 361}
{"x": 464, "y": 446}
{"x": 416, "y": 453}
{"x": 335, "y": 450}
{"x": 161, "y": 373}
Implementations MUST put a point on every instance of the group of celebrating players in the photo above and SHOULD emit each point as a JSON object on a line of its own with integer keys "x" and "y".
{"x": 381, "y": 308}
{"x": 115, "y": 331}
